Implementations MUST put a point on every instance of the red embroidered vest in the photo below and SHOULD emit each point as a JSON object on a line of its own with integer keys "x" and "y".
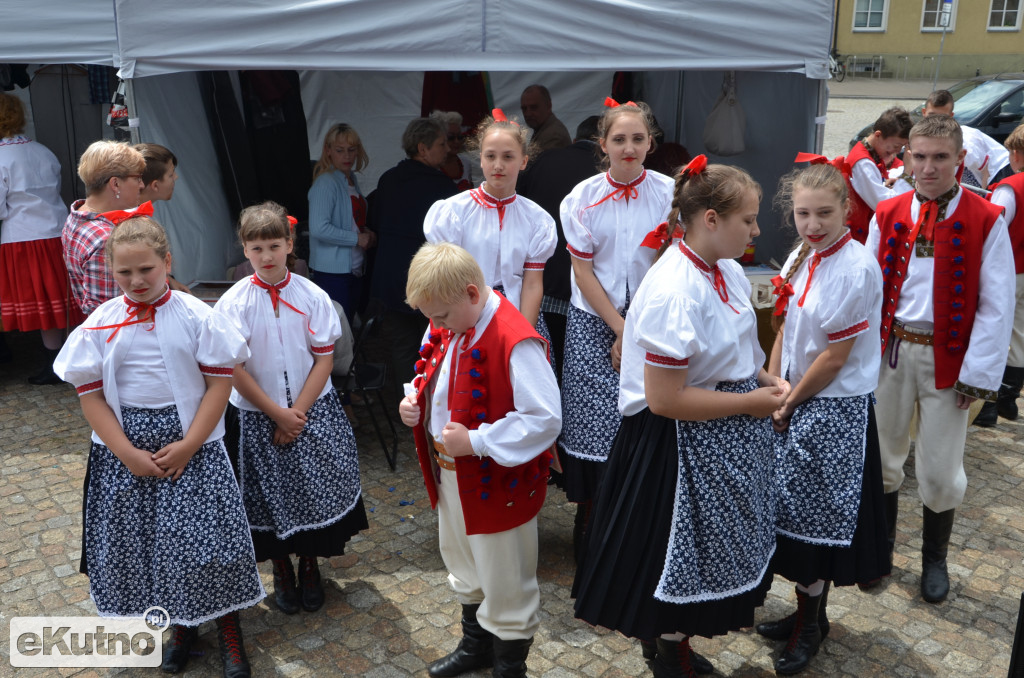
{"x": 860, "y": 211}
{"x": 494, "y": 498}
{"x": 959, "y": 240}
{"x": 1016, "y": 184}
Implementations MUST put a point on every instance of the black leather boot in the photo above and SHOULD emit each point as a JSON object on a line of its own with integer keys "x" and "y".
{"x": 285, "y": 595}
{"x": 510, "y": 657}
{"x": 474, "y": 651}
{"x": 46, "y": 375}
{"x": 232, "y": 650}
{"x": 934, "y": 576}
{"x": 783, "y": 628}
{"x": 700, "y": 663}
{"x": 988, "y": 416}
{"x": 312, "y": 586}
{"x": 674, "y": 659}
{"x": 1009, "y": 391}
{"x": 804, "y": 640}
{"x": 179, "y": 648}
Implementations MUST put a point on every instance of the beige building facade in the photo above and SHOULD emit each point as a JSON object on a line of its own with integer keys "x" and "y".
{"x": 901, "y": 38}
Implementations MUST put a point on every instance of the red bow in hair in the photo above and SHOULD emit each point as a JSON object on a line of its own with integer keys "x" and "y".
{"x": 659, "y": 236}
{"x": 612, "y": 103}
{"x": 117, "y": 216}
{"x": 839, "y": 162}
{"x": 696, "y": 166}
{"x": 291, "y": 222}
{"x": 499, "y": 116}
{"x": 783, "y": 291}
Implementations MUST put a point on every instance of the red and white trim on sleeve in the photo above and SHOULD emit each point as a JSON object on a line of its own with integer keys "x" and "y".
{"x": 579, "y": 255}
{"x": 534, "y": 266}
{"x": 984, "y": 164}
{"x": 665, "y": 361}
{"x": 849, "y": 332}
{"x": 323, "y": 350}
{"x": 90, "y": 387}
{"x": 209, "y": 371}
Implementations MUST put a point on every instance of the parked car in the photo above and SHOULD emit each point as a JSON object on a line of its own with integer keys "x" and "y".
{"x": 993, "y": 104}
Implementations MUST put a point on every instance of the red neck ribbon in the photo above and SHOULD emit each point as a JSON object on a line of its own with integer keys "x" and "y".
{"x": 712, "y": 273}
{"x": 117, "y": 216}
{"x": 622, "y": 191}
{"x": 926, "y": 219}
{"x": 480, "y": 197}
{"x": 815, "y": 260}
{"x": 138, "y": 313}
{"x": 275, "y": 294}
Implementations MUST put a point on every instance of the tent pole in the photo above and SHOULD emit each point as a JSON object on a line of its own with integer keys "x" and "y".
{"x": 819, "y": 120}
{"x": 133, "y": 112}
{"x": 679, "y": 109}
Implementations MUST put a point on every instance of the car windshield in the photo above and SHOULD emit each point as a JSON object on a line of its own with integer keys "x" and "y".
{"x": 974, "y": 98}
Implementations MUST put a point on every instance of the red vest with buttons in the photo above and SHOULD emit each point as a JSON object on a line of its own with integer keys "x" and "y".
{"x": 494, "y": 498}
{"x": 860, "y": 211}
{"x": 959, "y": 240}
{"x": 1016, "y": 184}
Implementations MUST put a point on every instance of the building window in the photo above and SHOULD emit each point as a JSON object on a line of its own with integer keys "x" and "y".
{"x": 931, "y": 16}
{"x": 870, "y": 15}
{"x": 1004, "y": 15}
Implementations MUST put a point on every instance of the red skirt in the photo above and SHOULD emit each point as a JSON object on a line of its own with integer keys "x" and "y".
{"x": 35, "y": 293}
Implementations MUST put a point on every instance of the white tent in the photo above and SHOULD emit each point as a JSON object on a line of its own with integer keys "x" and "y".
{"x": 362, "y": 60}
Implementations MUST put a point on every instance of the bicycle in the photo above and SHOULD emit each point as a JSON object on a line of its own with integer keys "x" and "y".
{"x": 836, "y": 68}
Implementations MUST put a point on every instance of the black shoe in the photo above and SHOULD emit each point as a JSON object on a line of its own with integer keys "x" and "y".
{"x": 675, "y": 659}
{"x": 988, "y": 417}
{"x": 312, "y": 587}
{"x": 46, "y": 375}
{"x": 935, "y": 545}
{"x": 700, "y": 663}
{"x": 232, "y": 649}
{"x": 1009, "y": 391}
{"x": 782, "y": 629}
{"x": 179, "y": 648}
{"x": 805, "y": 638}
{"x": 510, "y": 657}
{"x": 475, "y": 650}
{"x": 285, "y": 594}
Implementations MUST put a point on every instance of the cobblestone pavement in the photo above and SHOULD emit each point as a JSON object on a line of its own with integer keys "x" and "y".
{"x": 389, "y": 611}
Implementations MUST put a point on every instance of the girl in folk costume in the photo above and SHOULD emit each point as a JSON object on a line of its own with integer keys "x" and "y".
{"x": 605, "y": 219}
{"x": 830, "y": 520}
{"x": 511, "y": 237}
{"x": 163, "y": 521}
{"x": 683, "y": 526}
{"x": 297, "y": 460}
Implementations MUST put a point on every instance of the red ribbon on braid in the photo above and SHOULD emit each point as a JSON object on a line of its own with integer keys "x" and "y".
{"x": 783, "y": 290}
{"x": 839, "y": 162}
{"x": 612, "y": 103}
{"x": 117, "y": 216}
{"x": 660, "y": 235}
{"x": 695, "y": 166}
{"x": 499, "y": 116}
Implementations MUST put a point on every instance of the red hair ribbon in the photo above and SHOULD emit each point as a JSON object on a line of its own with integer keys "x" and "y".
{"x": 659, "y": 236}
{"x": 275, "y": 294}
{"x": 783, "y": 290}
{"x": 499, "y": 116}
{"x": 696, "y": 166}
{"x": 839, "y": 162}
{"x": 292, "y": 221}
{"x": 117, "y": 216}
{"x": 612, "y": 103}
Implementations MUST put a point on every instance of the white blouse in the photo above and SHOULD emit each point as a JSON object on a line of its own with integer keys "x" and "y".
{"x": 605, "y": 222}
{"x": 679, "y": 320}
{"x": 506, "y": 237}
{"x": 30, "y": 203}
{"x": 844, "y": 300}
{"x": 193, "y": 341}
{"x": 282, "y": 344}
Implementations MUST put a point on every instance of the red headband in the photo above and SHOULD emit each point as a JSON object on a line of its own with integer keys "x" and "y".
{"x": 292, "y": 221}
{"x": 695, "y": 166}
{"x": 612, "y": 103}
{"x": 499, "y": 116}
{"x": 839, "y": 162}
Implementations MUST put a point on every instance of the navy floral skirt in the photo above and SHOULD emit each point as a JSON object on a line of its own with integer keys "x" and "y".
{"x": 181, "y": 545}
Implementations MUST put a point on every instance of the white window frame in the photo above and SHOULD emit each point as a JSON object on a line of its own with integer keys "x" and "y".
{"x": 1003, "y": 29}
{"x": 870, "y": 29}
{"x": 938, "y": 29}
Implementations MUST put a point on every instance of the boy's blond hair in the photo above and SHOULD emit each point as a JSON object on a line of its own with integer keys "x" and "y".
{"x": 1015, "y": 142}
{"x": 939, "y": 127}
{"x": 441, "y": 272}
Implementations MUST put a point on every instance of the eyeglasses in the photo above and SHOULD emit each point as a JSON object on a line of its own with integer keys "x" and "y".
{"x": 132, "y": 176}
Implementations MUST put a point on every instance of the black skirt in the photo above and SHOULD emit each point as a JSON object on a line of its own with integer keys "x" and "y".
{"x": 867, "y": 558}
{"x": 625, "y": 547}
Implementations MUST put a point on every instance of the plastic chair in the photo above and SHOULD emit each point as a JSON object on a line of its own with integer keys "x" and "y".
{"x": 365, "y": 378}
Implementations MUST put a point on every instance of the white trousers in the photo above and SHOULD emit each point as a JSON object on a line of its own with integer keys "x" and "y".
{"x": 1016, "y": 357}
{"x": 941, "y": 428}
{"x": 498, "y": 571}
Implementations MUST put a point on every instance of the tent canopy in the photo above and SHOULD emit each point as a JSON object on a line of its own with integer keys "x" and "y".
{"x": 153, "y": 37}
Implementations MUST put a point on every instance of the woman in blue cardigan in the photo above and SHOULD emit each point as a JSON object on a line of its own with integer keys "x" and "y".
{"x": 338, "y": 238}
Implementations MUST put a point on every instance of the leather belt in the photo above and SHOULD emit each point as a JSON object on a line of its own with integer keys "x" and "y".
{"x": 912, "y": 334}
{"x": 441, "y": 457}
